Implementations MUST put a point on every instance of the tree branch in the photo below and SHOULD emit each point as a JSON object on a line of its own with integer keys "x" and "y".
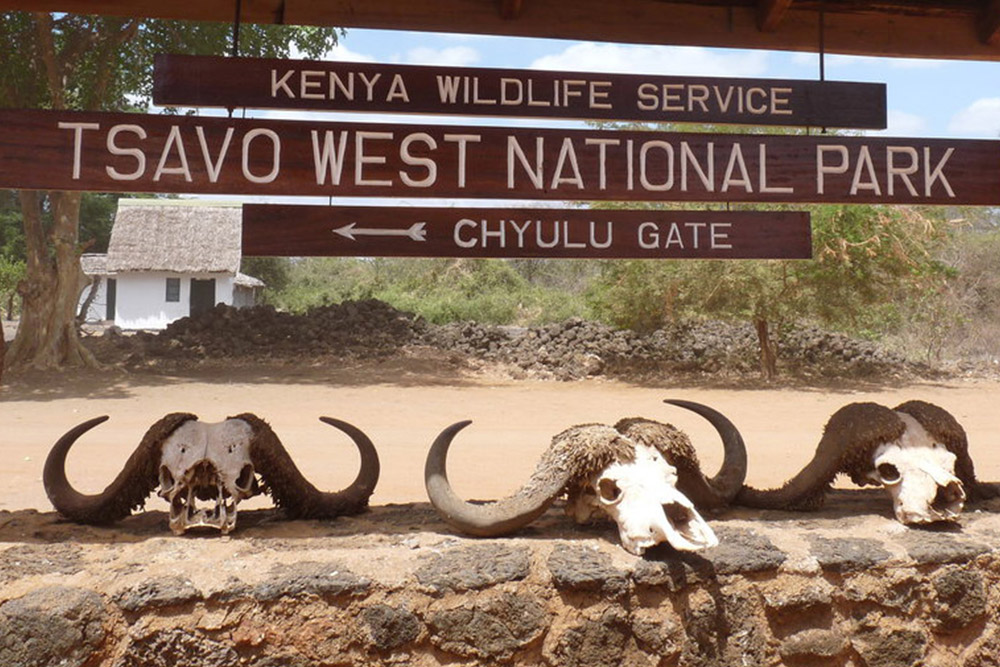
{"x": 47, "y": 52}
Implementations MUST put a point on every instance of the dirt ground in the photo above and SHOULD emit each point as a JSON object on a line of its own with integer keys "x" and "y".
{"x": 403, "y": 402}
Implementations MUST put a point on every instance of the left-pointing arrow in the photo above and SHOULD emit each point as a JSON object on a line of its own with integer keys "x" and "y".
{"x": 416, "y": 231}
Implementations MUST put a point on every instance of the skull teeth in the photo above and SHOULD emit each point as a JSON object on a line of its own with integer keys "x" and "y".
{"x": 185, "y": 513}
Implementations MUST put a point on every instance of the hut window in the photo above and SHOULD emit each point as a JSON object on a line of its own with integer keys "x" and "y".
{"x": 173, "y": 289}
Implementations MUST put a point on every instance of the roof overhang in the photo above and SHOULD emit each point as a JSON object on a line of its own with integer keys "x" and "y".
{"x": 961, "y": 29}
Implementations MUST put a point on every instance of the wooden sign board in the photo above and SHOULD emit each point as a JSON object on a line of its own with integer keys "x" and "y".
{"x": 370, "y": 231}
{"x": 211, "y": 81}
{"x": 113, "y": 152}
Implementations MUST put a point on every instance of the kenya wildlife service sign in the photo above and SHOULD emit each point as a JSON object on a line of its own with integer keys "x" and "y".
{"x": 368, "y": 87}
{"x": 114, "y": 152}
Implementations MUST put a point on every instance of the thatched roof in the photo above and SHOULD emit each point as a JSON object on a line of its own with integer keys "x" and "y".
{"x": 94, "y": 264}
{"x": 178, "y": 236}
{"x": 243, "y": 280}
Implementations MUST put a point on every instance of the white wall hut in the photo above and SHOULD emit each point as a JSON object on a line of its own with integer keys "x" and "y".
{"x": 168, "y": 259}
{"x": 99, "y": 309}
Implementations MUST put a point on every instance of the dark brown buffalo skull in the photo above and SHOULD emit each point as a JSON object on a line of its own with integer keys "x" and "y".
{"x": 219, "y": 463}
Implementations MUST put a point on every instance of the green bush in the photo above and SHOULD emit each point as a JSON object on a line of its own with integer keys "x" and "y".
{"x": 440, "y": 290}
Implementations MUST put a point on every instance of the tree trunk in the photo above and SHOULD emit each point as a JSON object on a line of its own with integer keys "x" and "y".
{"x": 3, "y": 351}
{"x": 768, "y": 359}
{"x": 47, "y": 335}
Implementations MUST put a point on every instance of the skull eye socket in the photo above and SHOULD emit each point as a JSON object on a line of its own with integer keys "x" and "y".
{"x": 166, "y": 479}
{"x": 888, "y": 473}
{"x": 609, "y": 491}
{"x": 245, "y": 479}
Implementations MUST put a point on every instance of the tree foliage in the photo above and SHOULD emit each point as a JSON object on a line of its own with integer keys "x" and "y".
{"x": 66, "y": 61}
{"x": 866, "y": 261}
{"x": 442, "y": 290}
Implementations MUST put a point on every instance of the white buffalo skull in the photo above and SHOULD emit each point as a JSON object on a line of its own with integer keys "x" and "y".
{"x": 193, "y": 461}
{"x": 208, "y": 462}
{"x": 919, "y": 474}
{"x": 641, "y": 496}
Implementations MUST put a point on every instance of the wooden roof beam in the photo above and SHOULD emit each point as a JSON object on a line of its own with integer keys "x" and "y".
{"x": 770, "y": 13}
{"x": 989, "y": 24}
{"x": 715, "y": 24}
{"x": 510, "y": 9}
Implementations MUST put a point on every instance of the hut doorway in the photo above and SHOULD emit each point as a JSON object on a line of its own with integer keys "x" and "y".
{"x": 202, "y": 295}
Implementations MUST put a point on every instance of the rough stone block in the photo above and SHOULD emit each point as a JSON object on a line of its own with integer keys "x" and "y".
{"x": 891, "y": 647}
{"x": 493, "y": 628}
{"x": 961, "y": 598}
{"x": 162, "y": 592}
{"x": 390, "y": 627}
{"x": 596, "y": 642}
{"x": 53, "y": 625}
{"x": 307, "y": 577}
{"x": 174, "y": 647}
{"x": 474, "y": 568}
{"x": 25, "y": 560}
{"x": 926, "y": 546}
{"x": 813, "y": 643}
{"x": 582, "y": 568}
{"x": 847, "y": 554}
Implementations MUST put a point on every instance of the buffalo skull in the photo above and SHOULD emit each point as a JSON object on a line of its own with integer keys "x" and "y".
{"x": 919, "y": 474}
{"x": 219, "y": 464}
{"x": 642, "y": 474}
{"x": 917, "y": 451}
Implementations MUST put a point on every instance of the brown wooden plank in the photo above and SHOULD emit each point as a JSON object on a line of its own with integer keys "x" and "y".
{"x": 111, "y": 152}
{"x": 989, "y": 24}
{"x": 511, "y": 9}
{"x": 367, "y": 231}
{"x": 770, "y": 13}
{"x": 898, "y": 33}
{"x": 206, "y": 81}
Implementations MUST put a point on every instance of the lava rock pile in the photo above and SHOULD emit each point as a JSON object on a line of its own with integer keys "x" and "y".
{"x": 568, "y": 350}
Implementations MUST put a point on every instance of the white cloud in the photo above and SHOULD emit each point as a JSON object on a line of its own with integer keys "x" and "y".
{"x": 343, "y": 54}
{"x": 979, "y": 119}
{"x": 593, "y": 57}
{"x": 836, "y": 60}
{"x": 456, "y": 56}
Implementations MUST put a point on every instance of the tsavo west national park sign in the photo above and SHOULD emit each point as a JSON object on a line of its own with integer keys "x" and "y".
{"x": 111, "y": 152}
{"x": 369, "y": 87}
{"x": 285, "y": 230}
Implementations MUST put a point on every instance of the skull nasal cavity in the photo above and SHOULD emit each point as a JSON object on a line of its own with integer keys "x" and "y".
{"x": 246, "y": 477}
{"x": 948, "y": 495}
{"x": 609, "y": 490}
{"x": 677, "y": 514}
{"x": 888, "y": 473}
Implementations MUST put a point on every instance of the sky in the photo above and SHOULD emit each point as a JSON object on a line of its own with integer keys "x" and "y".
{"x": 925, "y": 98}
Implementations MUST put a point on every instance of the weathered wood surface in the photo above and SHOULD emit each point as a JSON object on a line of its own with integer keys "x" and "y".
{"x": 209, "y": 81}
{"x": 112, "y": 152}
{"x": 909, "y": 28}
{"x": 374, "y": 231}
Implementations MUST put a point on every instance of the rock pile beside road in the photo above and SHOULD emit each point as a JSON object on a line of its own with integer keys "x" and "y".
{"x": 567, "y": 350}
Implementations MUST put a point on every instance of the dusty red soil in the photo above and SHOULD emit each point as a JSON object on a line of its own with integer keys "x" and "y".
{"x": 404, "y": 401}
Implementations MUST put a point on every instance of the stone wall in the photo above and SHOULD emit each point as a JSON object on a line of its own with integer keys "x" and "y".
{"x": 847, "y": 586}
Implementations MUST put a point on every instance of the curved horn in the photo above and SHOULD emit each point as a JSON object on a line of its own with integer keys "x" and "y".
{"x": 292, "y": 491}
{"x": 849, "y": 439}
{"x": 129, "y": 489}
{"x": 723, "y": 487}
{"x": 495, "y": 518}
